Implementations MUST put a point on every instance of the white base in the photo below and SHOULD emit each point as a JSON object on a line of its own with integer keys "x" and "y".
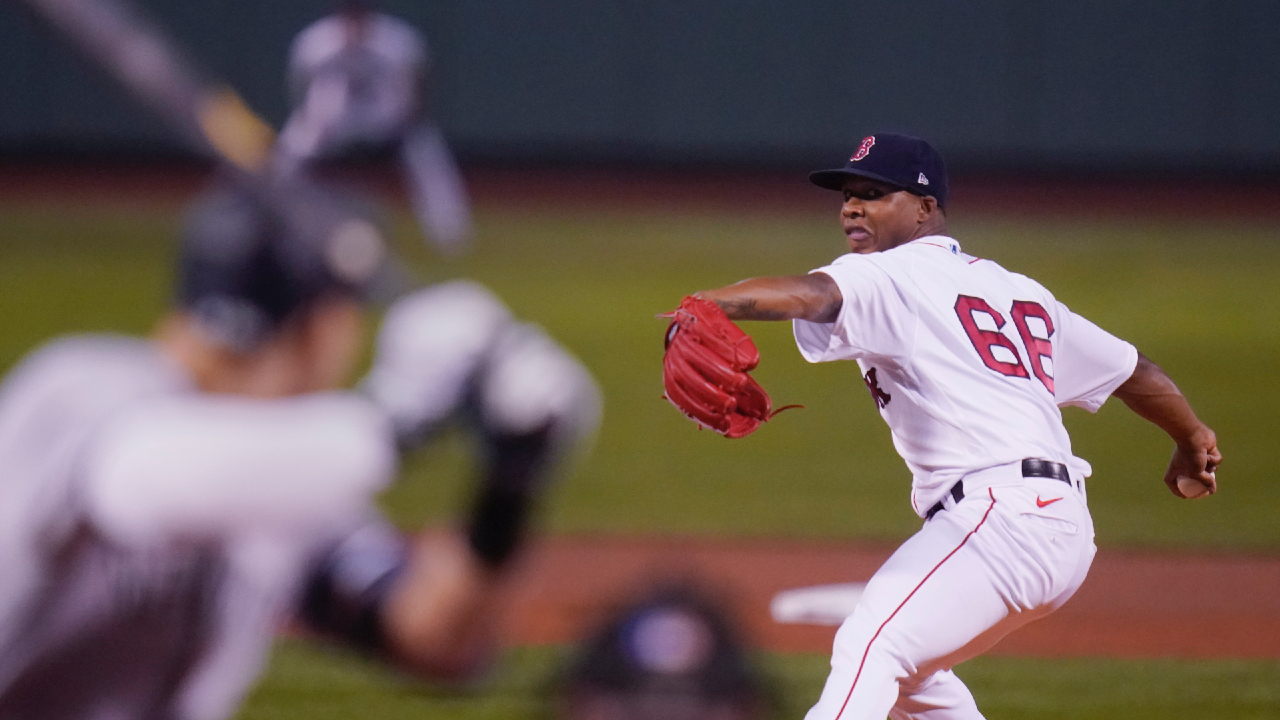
{"x": 816, "y": 605}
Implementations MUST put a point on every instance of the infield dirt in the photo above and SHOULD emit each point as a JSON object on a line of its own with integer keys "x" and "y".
{"x": 1133, "y": 604}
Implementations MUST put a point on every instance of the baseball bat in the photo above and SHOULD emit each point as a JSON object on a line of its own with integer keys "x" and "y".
{"x": 210, "y": 116}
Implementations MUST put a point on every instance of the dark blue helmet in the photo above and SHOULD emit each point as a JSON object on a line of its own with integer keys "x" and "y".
{"x": 252, "y": 256}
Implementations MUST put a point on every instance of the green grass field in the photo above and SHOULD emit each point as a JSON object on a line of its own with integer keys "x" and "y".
{"x": 1202, "y": 306}
{"x": 1199, "y": 301}
{"x": 305, "y": 682}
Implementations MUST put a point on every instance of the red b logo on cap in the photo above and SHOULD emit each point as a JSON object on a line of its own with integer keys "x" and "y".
{"x": 864, "y": 148}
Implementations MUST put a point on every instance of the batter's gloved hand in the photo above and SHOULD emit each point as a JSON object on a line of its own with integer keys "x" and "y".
{"x": 705, "y": 370}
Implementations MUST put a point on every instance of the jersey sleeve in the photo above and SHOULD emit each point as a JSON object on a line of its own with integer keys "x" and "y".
{"x": 875, "y": 318}
{"x": 202, "y": 467}
{"x": 1090, "y": 363}
{"x": 401, "y": 41}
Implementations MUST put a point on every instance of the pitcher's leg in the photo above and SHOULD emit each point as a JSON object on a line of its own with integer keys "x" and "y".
{"x": 940, "y": 696}
{"x": 928, "y": 602}
{"x": 876, "y": 696}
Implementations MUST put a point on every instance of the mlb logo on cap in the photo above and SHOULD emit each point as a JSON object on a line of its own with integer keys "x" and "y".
{"x": 905, "y": 162}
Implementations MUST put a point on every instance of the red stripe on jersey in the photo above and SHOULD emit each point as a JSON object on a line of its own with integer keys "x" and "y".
{"x": 974, "y": 260}
{"x": 909, "y": 596}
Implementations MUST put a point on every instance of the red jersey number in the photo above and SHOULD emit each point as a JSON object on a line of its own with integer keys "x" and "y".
{"x": 985, "y": 341}
{"x": 1038, "y": 348}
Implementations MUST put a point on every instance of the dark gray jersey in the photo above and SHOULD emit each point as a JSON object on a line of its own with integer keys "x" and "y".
{"x": 151, "y": 536}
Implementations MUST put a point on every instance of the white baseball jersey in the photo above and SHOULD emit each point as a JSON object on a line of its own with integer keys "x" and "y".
{"x": 152, "y": 535}
{"x": 969, "y": 363}
{"x": 366, "y": 90}
{"x": 353, "y": 89}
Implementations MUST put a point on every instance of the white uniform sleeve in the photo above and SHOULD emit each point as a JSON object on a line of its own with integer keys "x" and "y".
{"x": 315, "y": 44}
{"x": 1089, "y": 362}
{"x": 399, "y": 42}
{"x": 874, "y": 317}
{"x": 203, "y": 467}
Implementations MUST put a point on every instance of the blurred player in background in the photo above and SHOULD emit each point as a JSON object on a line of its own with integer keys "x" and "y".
{"x": 166, "y": 503}
{"x": 673, "y": 653}
{"x": 357, "y": 78}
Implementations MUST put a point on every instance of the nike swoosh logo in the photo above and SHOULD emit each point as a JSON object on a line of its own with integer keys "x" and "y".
{"x": 1046, "y": 503}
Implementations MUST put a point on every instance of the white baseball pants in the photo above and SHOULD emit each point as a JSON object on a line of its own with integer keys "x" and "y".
{"x": 1011, "y": 551}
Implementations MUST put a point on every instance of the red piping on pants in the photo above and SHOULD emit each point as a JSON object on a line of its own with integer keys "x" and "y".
{"x": 904, "y": 602}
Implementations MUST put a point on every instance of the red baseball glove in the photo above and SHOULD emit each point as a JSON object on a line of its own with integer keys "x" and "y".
{"x": 705, "y": 370}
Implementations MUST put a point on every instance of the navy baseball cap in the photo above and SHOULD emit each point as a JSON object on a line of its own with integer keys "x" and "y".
{"x": 250, "y": 257}
{"x": 902, "y": 161}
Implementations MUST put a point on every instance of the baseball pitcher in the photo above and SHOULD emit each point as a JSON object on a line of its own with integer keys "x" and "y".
{"x": 969, "y": 365}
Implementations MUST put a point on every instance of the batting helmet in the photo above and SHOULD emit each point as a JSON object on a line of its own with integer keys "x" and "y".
{"x": 250, "y": 257}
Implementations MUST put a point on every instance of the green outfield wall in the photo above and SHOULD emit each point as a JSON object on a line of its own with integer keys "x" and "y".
{"x": 1017, "y": 84}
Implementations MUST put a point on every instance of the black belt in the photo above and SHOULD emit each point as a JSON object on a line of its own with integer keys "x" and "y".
{"x": 957, "y": 492}
{"x": 1035, "y": 467}
{"x": 1031, "y": 467}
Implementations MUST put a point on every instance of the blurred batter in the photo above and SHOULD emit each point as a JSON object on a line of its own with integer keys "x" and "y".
{"x": 165, "y": 504}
